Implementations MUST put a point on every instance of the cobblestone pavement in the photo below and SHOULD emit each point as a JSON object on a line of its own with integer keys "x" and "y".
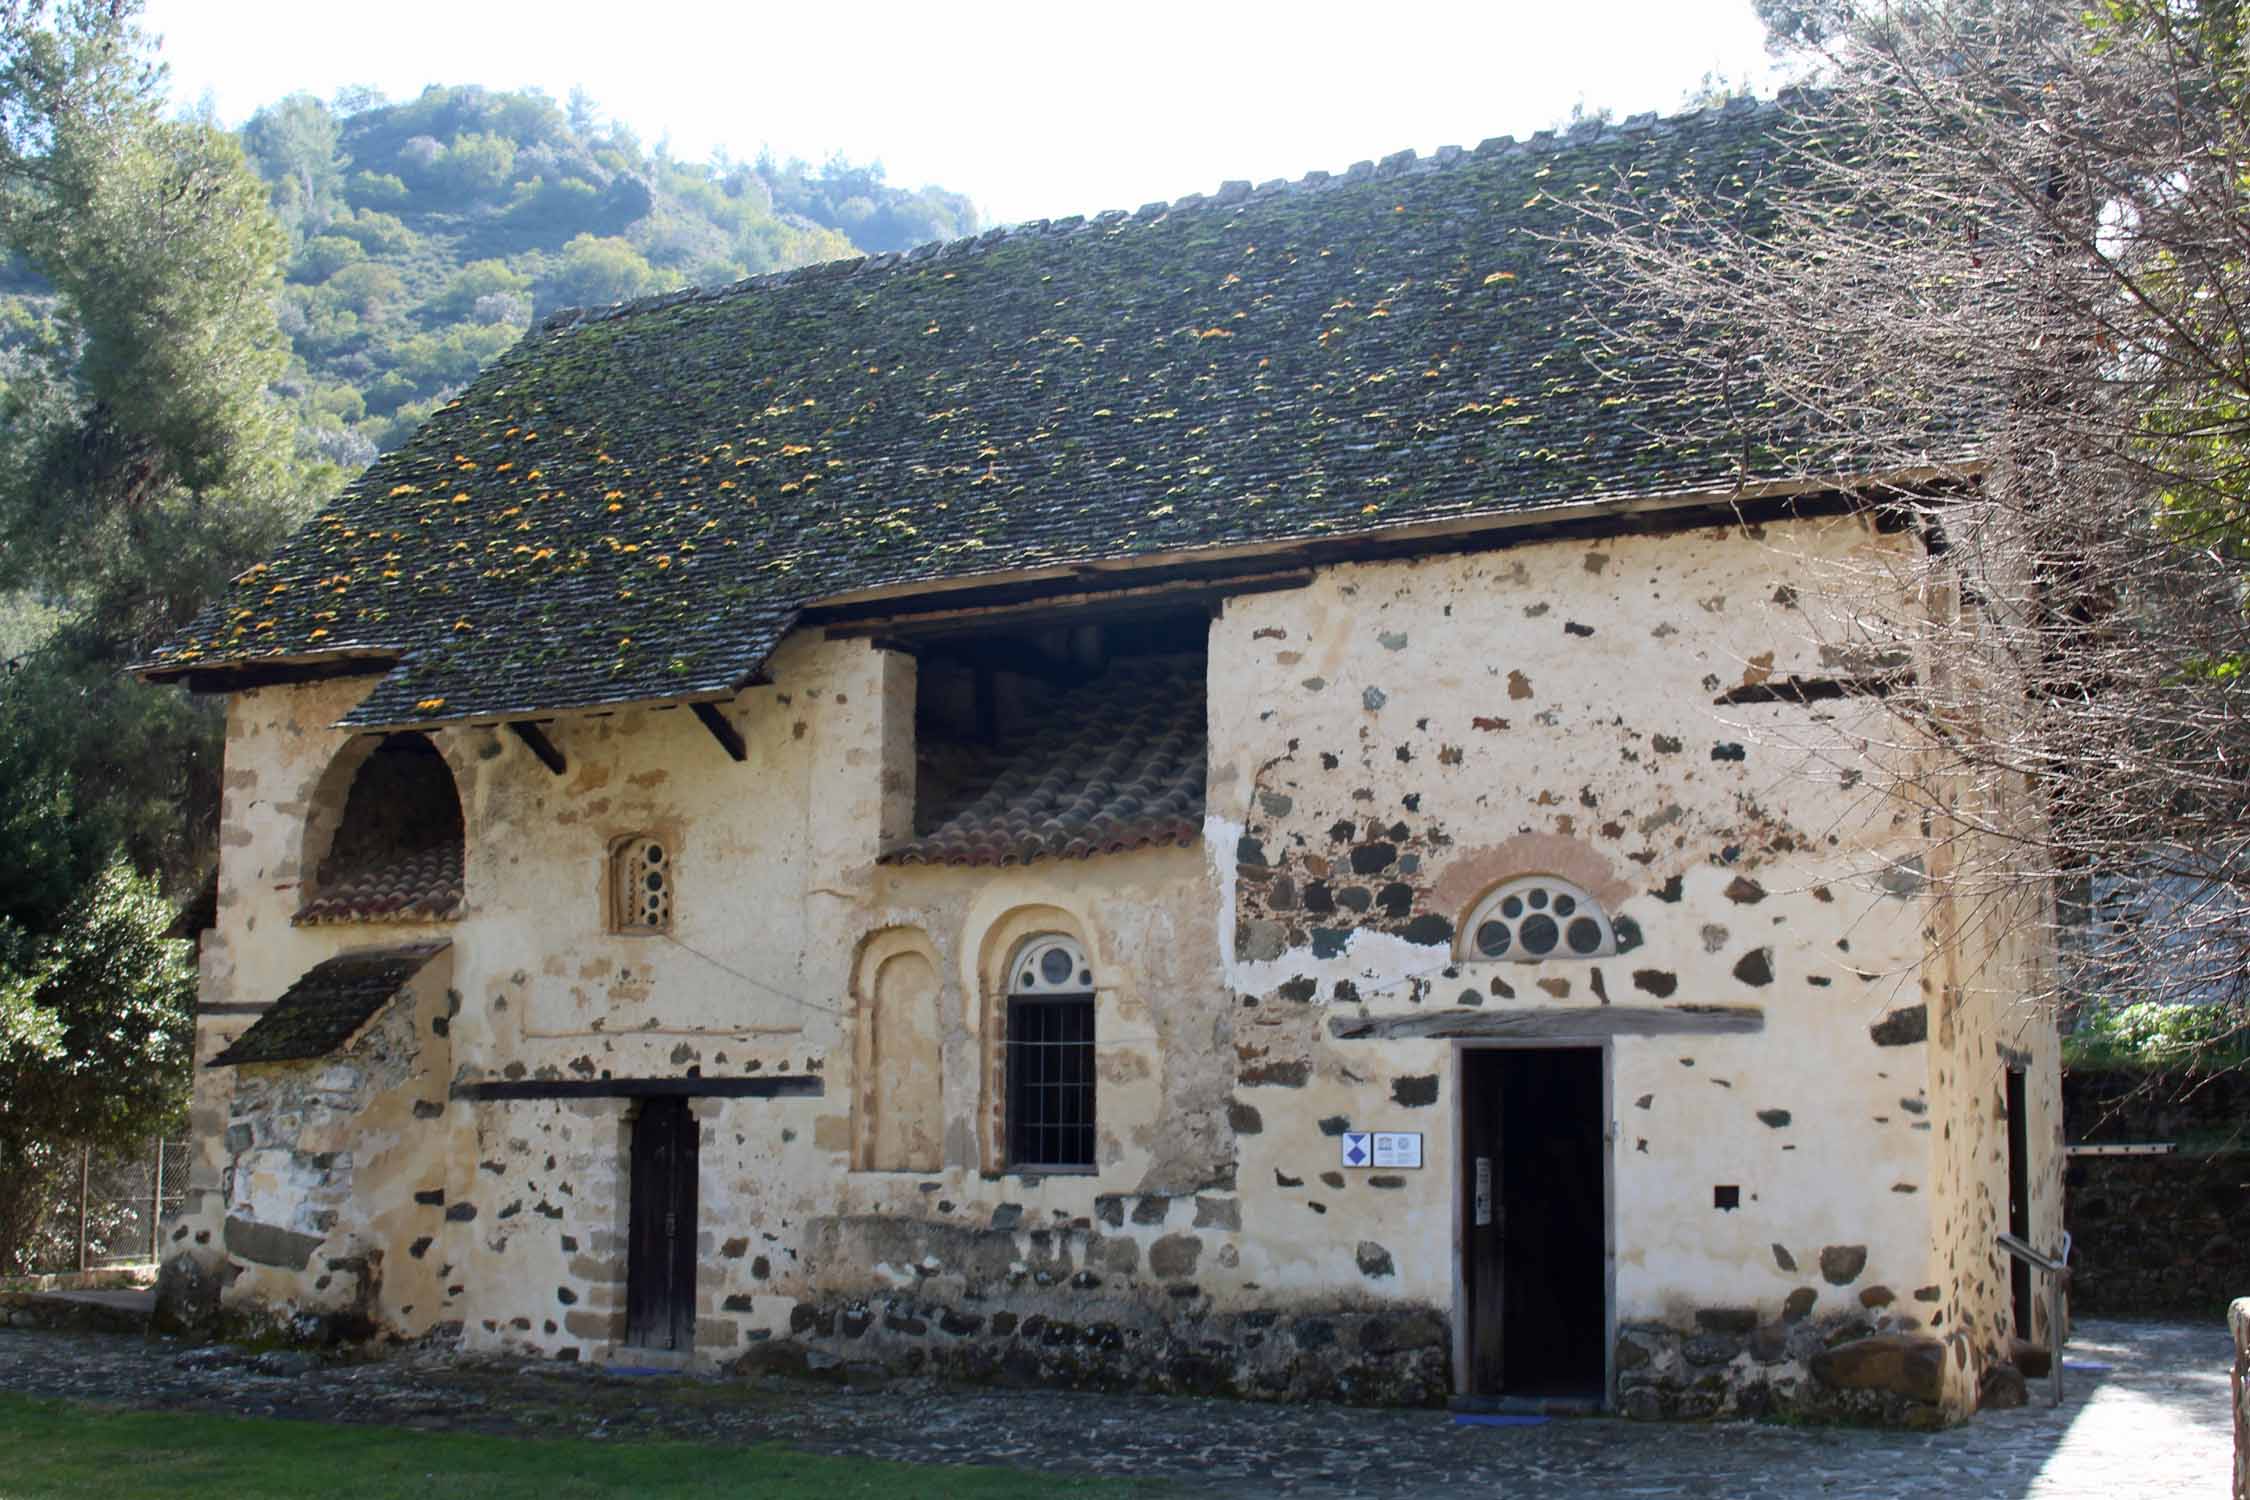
{"x": 2156, "y": 1423}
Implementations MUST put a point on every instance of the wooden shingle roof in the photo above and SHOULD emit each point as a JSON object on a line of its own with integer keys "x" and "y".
{"x": 634, "y": 505}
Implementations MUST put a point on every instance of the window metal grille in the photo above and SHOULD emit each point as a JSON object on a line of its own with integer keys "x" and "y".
{"x": 1050, "y": 1062}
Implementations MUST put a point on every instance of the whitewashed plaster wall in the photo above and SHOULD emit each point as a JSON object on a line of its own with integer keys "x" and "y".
{"x": 1547, "y": 709}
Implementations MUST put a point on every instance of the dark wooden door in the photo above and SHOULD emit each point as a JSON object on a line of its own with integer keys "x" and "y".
{"x": 660, "y": 1235}
{"x": 2019, "y": 1197}
{"x": 1483, "y": 1233}
{"x": 1552, "y": 1204}
{"x": 1534, "y": 1263}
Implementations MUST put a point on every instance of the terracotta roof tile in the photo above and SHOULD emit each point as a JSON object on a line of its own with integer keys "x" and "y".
{"x": 1116, "y": 763}
{"x": 331, "y": 1001}
{"x": 409, "y": 885}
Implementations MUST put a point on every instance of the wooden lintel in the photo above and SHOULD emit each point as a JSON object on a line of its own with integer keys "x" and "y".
{"x": 1814, "y": 689}
{"x": 535, "y": 740}
{"x": 1559, "y": 1023}
{"x": 1074, "y": 607}
{"x": 729, "y": 737}
{"x": 773, "y": 1086}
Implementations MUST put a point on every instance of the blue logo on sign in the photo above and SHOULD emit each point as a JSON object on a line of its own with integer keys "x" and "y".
{"x": 1355, "y": 1150}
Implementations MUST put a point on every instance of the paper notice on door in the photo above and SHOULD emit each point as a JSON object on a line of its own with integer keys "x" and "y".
{"x": 1484, "y": 1192}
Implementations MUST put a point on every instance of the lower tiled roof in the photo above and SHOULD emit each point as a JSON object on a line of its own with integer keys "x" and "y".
{"x": 333, "y": 1000}
{"x": 402, "y": 885}
{"x": 1116, "y": 763}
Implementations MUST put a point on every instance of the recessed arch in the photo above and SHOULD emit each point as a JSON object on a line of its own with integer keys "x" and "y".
{"x": 898, "y": 1077}
{"x": 1534, "y": 919}
{"x": 1014, "y": 1018}
{"x": 384, "y": 841}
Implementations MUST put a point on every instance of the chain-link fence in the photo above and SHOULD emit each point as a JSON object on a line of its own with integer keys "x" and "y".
{"x": 108, "y": 1208}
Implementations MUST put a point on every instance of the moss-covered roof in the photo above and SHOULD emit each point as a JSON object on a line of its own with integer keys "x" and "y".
{"x": 634, "y": 505}
{"x": 328, "y": 1004}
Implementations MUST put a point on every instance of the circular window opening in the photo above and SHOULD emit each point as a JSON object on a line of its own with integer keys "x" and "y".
{"x": 1538, "y": 917}
{"x": 1052, "y": 965}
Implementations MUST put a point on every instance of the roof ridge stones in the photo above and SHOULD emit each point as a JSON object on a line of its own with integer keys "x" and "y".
{"x": 1230, "y": 194}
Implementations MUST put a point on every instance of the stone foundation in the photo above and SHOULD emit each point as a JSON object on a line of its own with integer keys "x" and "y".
{"x": 65, "y": 1312}
{"x": 1396, "y": 1355}
{"x": 1831, "y": 1370}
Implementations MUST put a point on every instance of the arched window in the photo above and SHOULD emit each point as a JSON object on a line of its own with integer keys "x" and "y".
{"x": 640, "y": 884}
{"x": 1537, "y": 917}
{"x": 1050, "y": 1056}
{"x": 396, "y": 853}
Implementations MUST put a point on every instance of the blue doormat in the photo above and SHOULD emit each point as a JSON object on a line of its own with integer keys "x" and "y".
{"x": 2085, "y": 1367}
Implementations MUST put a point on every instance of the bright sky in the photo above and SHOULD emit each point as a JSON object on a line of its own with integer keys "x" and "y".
{"x": 1034, "y": 110}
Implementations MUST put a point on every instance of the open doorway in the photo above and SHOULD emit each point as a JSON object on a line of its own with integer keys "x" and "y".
{"x": 1534, "y": 1262}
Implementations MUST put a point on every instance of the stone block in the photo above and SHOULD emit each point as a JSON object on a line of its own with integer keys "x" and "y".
{"x": 1903, "y": 1364}
{"x": 1840, "y": 1265}
{"x": 2001, "y": 1389}
{"x": 1218, "y": 1213}
{"x": 1174, "y": 1256}
{"x": 1736, "y": 1320}
{"x": 595, "y": 1327}
{"x": 270, "y": 1245}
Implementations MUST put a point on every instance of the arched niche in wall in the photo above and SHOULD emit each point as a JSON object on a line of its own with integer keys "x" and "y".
{"x": 384, "y": 839}
{"x": 898, "y": 1095}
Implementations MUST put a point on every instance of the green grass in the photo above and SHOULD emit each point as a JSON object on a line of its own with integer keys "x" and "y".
{"x": 70, "y": 1448}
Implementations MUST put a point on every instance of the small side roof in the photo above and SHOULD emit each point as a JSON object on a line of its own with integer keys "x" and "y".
{"x": 326, "y": 1007}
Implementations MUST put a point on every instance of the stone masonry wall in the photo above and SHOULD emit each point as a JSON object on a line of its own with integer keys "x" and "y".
{"x": 2159, "y": 1236}
{"x": 1386, "y": 744}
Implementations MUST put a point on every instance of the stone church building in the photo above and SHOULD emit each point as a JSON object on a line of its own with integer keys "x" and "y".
{"x": 1180, "y": 801}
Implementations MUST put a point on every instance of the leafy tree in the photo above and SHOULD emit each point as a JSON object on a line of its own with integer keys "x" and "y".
{"x": 479, "y": 279}
{"x": 295, "y": 146}
{"x": 594, "y": 272}
{"x": 477, "y": 165}
{"x": 96, "y": 1036}
{"x": 2001, "y": 253}
{"x": 142, "y": 461}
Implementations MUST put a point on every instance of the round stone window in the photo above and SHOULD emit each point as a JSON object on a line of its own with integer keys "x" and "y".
{"x": 1051, "y": 965}
{"x": 1537, "y": 917}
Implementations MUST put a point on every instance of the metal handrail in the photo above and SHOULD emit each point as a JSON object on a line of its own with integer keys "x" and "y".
{"x": 2057, "y": 1269}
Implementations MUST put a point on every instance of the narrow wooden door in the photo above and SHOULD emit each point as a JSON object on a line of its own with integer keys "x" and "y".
{"x": 660, "y": 1234}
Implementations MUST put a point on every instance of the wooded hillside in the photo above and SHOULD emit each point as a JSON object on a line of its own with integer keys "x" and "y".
{"x": 426, "y": 235}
